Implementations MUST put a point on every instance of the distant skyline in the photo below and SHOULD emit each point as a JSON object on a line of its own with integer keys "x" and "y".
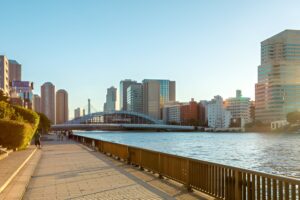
{"x": 209, "y": 48}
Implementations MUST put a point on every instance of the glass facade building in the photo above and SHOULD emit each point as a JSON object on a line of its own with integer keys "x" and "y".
{"x": 277, "y": 91}
{"x": 135, "y": 98}
{"x": 124, "y": 84}
{"x": 155, "y": 94}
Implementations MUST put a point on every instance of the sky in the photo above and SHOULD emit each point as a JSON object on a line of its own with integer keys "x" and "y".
{"x": 208, "y": 47}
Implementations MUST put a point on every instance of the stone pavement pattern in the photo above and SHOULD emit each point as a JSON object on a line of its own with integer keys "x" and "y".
{"x": 68, "y": 170}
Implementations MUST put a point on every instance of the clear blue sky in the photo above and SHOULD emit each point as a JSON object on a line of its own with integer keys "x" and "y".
{"x": 208, "y": 47}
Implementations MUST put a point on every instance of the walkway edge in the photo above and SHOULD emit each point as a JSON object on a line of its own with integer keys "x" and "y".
{"x": 7, "y": 182}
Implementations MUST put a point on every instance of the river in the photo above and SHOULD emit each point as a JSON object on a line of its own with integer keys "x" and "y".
{"x": 271, "y": 153}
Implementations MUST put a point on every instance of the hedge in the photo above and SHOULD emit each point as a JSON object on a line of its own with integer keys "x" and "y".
{"x": 28, "y": 116}
{"x": 17, "y": 126}
{"x": 15, "y": 135}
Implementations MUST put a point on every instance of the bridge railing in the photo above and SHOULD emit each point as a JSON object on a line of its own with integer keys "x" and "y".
{"x": 217, "y": 180}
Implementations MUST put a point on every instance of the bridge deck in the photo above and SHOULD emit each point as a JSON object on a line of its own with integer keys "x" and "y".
{"x": 68, "y": 170}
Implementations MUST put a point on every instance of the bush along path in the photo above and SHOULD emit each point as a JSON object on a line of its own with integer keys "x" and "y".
{"x": 17, "y": 126}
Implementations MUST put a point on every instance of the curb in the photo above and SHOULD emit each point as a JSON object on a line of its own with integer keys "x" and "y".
{"x": 7, "y": 182}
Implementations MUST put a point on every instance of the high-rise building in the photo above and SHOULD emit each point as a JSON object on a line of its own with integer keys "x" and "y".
{"x": 48, "y": 101}
{"x": 62, "y": 107}
{"x": 4, "y": 75}
{"x": 15, "y": 71}
{"x": 277, "y": 91}
{"x": 111, "y": 98}
{"x": 218, "y": 116}
{"x": 124, "y": 84}
{"x": 36, "y": 103}
{"x": 155, "y": 94}
{"x": 239, "y": 107}
{"x": 135, "y": 98}
{"x": 77, "y": 113}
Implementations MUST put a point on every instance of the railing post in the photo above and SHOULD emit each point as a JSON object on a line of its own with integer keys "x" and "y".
{"x": 238, "y": 185}
{"x": 188, "y": 186}
{"x": 141, "y": 164}
{"x": 128, "y": 156}
{"x": 159, "y": 167}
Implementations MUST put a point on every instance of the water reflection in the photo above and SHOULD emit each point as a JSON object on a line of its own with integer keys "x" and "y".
{"x": 271, "y": 153}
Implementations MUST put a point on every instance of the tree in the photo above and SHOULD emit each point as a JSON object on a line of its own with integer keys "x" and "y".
{"x": 44, "y": 124}
{"x": 3, "y": 96}
{"x": 293, "y": 117}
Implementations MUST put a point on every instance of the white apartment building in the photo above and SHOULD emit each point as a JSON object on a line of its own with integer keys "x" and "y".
{"x": 218, "y": 116}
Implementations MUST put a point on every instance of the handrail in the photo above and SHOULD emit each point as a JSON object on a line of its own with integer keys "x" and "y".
{"x": 218, "y": 180}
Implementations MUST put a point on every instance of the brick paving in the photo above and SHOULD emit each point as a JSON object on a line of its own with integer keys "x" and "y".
{"x": 68, "y": 170}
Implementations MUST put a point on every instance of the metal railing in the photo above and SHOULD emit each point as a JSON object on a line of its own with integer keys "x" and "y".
{"x": 217, "y": 180}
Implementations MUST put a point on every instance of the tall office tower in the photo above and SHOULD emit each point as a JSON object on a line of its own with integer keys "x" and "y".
{"x": 36, "y": 103}
{"x": 48, "y": 101}
{"x": 111, "y": 99}
{"x": 218, "y": 116}
{"x": 135, "y": 98}
{"x": 239, "y": 107}
{"x": 277, "y": 91}
{"x": 62, "y": 107}
{"x": 155, "y": 94}
{"x": 4, "y": 75}
{"x": 15, "y": 71}
{"x": 124, "y": 84}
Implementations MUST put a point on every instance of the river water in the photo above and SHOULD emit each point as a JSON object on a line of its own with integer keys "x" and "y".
{"x": 271, "y": 153}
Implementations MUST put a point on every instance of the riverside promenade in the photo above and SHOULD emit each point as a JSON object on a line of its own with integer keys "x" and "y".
{"x": 68, "y": 170}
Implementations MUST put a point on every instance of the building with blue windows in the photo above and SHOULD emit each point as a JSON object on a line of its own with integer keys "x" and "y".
{"x": 277, "y": 91}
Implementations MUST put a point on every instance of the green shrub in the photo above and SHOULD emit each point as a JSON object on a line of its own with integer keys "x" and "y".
{"x": 15, "y": 135}
{"x": 17, "y": 126}
{"x": 28, "y": 116}
{"x": 6, "y": 111}
{"x": 45, "y": 124}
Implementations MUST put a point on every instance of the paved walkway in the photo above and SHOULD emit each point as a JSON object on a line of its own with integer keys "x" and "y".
{"x": 10, "y": 165}
{"x": 68, "y": 170}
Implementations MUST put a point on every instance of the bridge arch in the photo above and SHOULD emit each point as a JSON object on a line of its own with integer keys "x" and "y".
{"x": 116, "y": 117}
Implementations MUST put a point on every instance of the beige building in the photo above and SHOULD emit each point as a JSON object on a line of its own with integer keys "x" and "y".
{"x": 15, "y": 71}
{"x": 48, "y": 101}
{"x": 62, "y": 108}
{"x": 77, "y": 113}
{"x": 277, "y": 91}
{"x": 239, "y": 107}
{"x": 156, "y": 93}
{"x": 36, "y": 103}
{"x": 4, "y": 75}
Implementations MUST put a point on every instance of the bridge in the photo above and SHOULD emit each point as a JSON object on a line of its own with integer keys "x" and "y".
{"x": 118, "y": 121}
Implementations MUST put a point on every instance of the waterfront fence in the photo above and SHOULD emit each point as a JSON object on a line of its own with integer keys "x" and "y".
{"x": 217, "y": 180}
